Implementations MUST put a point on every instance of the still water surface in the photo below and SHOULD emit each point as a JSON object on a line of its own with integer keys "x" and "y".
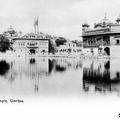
{"x": 59, "y": 77}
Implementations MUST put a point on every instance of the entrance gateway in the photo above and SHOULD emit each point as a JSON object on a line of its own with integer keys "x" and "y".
{"x": 32, "y": 51}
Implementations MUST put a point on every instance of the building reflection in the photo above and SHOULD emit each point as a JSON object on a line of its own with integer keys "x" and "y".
{"x": 101, "y": 76}
{"x": 37, "y": 74}
{"x": 33, "y": 70}
{"x": 63, "y": 64}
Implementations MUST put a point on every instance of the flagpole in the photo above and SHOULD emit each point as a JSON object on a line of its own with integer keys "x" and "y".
{"x": 34, "y": 26}
{"x": 37, "y": 26}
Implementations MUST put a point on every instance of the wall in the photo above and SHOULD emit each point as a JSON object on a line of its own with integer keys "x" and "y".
{"x": 115, "y": 51}
{"x": 113, "y": 40}
{"x": 115, "y": 28}
{"x": 114, "y": 47}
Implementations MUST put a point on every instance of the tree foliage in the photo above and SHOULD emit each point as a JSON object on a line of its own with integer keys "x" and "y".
{"x": 4, "y": 43}
{"x": 51, "y": 47}
{"x": 60, "y": 41}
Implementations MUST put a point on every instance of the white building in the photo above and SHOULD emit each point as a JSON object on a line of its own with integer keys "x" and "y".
{"x": 103, "y": 39}
{"x": 30, "y": 46}
{"x": 70, "y": 48}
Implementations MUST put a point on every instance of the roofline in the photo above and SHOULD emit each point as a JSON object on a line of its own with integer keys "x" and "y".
{"x": 30, "y": 39}
{"x": 109, "y": 33}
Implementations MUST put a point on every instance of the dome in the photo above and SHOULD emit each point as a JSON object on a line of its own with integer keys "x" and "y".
{"x": 104, "y": 23}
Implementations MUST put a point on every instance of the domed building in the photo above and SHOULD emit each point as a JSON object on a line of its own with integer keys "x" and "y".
{"x": 10, "y": 33}
{"x": 103, "y": 23}
{"x": 103, "y": 38}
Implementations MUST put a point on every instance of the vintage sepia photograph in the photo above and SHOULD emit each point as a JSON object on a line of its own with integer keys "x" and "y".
{"x": 60, "y": 55}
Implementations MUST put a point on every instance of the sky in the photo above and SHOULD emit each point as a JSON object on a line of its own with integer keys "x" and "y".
{"x": 56, "y": 17}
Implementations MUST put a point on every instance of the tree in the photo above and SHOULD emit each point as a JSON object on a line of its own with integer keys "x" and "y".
{"x": 4, "y": 43}
{"x": 51, "y": 47}
{"x": 60, "y": 41}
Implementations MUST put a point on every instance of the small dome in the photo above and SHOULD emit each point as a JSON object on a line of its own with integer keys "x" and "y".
{"x": 118, "y": 19}
{"x": 85, "y": 25}
{"x": 11, "y": 30}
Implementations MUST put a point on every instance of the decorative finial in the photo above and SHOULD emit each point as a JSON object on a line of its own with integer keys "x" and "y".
{"x": 105, "y": 16}
{"x": 118, "y": 19}
{"x": 10, "y": 26}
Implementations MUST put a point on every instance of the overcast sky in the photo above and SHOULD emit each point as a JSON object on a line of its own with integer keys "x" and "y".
{"x": 57, "y": 17}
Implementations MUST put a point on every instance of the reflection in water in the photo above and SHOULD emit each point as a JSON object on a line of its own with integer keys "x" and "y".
{"x": 32, "y": 60}
{"x": 60, "y": 68}
{"x": 4, "y": 67}
{"x": 34, "y": 75}
{"x": 98, "y": 78}
{"x": 61, "y": 65}
{"x": 51, "y": 65}
{"x": 46, "y": 76}
{"x": 107, "y": 65}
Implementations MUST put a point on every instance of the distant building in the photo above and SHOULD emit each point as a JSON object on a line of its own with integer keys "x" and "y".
{"x": 11, "y": 33}
{"x": 104, "y": 38}
{"x": 69, "y": 48}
